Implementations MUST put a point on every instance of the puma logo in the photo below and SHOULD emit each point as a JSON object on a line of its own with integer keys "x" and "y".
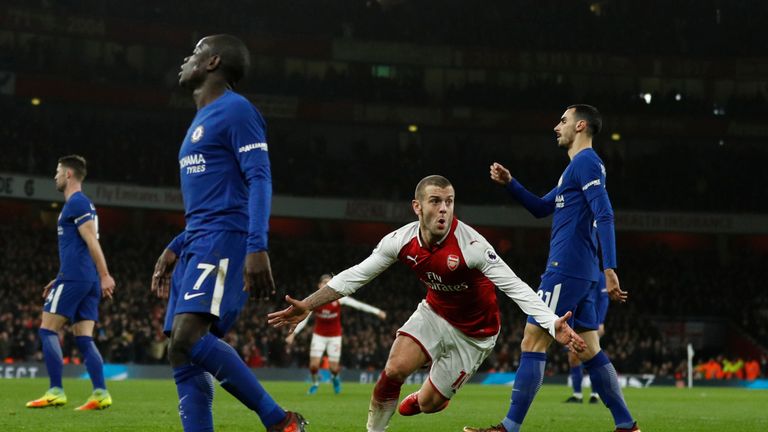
{"x": 413, "y": 258}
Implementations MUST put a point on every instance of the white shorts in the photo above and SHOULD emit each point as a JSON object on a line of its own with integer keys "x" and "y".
{"x": 329, "y": 344}
{"x": 455, "y": 357}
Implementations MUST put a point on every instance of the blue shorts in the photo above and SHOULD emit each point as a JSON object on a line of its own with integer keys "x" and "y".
{"x": 208, "y": 279}
{"x": 563, "y": 293}
{"x": 602, "y": 305}
{"x": 76, "y": 300}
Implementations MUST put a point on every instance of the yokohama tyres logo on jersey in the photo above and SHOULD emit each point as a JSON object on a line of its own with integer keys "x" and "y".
{"x": 193, "y": 163}
{"x": 453, "y": 262}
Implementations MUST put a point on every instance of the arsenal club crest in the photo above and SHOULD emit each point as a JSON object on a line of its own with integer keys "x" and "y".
{"x": 453, "y": 262}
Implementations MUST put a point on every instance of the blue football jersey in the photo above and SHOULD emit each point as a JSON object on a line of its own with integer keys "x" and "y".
{"x": 601, "y": 285}
{"x": 225, "y": 173}
{"x": 573, "y": 245}
{"x": 75, "y": 260}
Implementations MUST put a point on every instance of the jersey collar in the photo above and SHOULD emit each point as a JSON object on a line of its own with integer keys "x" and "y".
{"x": 439, "y": 243}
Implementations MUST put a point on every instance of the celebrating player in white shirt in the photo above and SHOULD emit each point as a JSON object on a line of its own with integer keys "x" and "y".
{"x": 326, "y": 336}
{"x": 455, "y": 328}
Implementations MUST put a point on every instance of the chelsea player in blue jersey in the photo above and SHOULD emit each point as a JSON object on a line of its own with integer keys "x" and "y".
{"x": 222, "y": 253}
{"x": 582, "y": 213}
{"x": 75, "y": 293}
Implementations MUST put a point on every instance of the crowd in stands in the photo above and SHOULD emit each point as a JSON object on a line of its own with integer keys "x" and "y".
{"x": 142, "y": 147}
{"x": 700, "y": 27}
{"x": 138, "y": 145}
{"x": 653, "y": 170}
{"x": 404, "y": 84}
{"x": 684, "y": 29}
{"x": 130, "y": 329}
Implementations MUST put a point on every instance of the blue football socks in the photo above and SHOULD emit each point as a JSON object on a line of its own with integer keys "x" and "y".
{"x": 576, "y": 378}
{"x": 606, "y": 383}
{"x": 195, "y": 389}
{"x": 222, "y": 361}
{"x": 54, "y": 360}
{"x": 93, "y": 361}
{"x": 528, "y": 381}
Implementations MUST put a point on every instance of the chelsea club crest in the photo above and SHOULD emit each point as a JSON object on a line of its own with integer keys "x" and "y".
{"x": 197, "y": 133}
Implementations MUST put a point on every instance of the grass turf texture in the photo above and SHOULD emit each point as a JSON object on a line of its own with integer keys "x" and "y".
{"x": 150, "y": 405}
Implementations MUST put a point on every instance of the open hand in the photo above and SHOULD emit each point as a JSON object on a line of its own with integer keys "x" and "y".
{"x": 257, "y": 275}
{"x": 290, "y": 316}
{"x": 161, "y": 277}
{"x": 565, "y": 335}
{"x": 107, "y": 286}
{"x": 47, "y": 288}
{"x": 613, "y": 287}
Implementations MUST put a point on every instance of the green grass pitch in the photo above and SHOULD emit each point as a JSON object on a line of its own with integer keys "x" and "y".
{"x": 150, "y": 405}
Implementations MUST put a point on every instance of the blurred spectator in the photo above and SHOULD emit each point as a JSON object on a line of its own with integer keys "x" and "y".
{"x": 751, "y": 370}
{"x": 131, "y": 326}
{"x": 710, "y": 370}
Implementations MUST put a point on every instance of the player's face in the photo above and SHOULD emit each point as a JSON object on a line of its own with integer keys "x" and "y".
{"x": 565, "y": 130}
{"x": 435, "y": 210}
{"x": 60, "y": 178}
{"x": 193, "y": 69}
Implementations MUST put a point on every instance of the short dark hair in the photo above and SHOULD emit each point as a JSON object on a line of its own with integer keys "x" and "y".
{"x": 589, "y": 114}
{"x": 76, "y": 163}
{"x": 432, "y": 180}
{"x": 233, "y": 54}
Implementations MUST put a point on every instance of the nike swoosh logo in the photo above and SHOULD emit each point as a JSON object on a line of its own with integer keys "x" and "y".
{"x": 188, "y": 296}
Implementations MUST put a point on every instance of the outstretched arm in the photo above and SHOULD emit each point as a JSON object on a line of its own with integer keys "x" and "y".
{"x": 343, "y": 284}
{"x": 299, "y": 310}
{"x": 480, "y": 255}
{"x": 365, "y": 307}
{"x": 538, "y": 206}
{"x": 292, "y": 336}
{"x": 532, "y": 305}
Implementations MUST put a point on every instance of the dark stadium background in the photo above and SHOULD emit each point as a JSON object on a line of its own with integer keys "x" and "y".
{"x": 361, "y": 102}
